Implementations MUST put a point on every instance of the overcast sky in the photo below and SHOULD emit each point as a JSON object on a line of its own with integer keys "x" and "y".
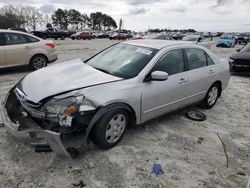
{"x": 202, "y": 15}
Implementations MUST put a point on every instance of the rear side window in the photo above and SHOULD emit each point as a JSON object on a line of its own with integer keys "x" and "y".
{"x": 171, "y": 62}
{"x": 31, "y": 39}
{"x": 209, "y": 60}
{"x": 196, "y": 58}
{"x": 14, "y": 38}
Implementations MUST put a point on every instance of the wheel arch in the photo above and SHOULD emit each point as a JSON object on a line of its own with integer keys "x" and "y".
{"x": 219, "y": 83}
{"x": 37, "y": 55}
{"x": 104, "y": 109}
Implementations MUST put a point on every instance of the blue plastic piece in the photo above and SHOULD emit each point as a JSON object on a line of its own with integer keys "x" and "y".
{"x": 157, "y": 169}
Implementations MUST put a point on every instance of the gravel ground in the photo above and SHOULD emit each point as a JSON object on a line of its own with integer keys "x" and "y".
{"x": 190, "y": 152}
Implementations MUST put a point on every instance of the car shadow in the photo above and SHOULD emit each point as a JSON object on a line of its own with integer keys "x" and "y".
{"x": 13, "y": 70}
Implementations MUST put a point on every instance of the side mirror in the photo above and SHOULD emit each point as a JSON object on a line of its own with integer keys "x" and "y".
{"x": 159, "y": 76}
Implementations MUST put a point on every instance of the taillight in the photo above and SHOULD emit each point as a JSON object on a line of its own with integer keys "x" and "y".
{"x": 52, "y": 45}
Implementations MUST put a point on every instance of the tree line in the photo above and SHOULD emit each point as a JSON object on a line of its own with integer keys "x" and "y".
{"x": 32, "y": 18}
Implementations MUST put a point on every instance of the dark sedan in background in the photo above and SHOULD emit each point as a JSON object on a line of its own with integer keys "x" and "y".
{"x": 240, "y": 61}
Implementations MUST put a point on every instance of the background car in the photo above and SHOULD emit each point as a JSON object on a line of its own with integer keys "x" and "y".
{"x": 242, "y": 38}
{"x": 51, "y": 33}
{"x": 197, "y": 39}
{"x": 82, "y": 35}
{"x": 19, "y": 48}
{"x": 240, "y": 61}
{"x": 158, "y": 36}
{"x": 119, "y": 36}
{"x": 226, "y": 41}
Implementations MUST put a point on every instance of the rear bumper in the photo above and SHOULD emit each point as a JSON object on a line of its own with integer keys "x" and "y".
{"x": 52, "y": 57}
{"x": 33, "y": 133}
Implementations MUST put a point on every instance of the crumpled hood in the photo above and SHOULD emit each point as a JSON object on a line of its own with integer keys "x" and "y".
{"x": 61, "y": 78}
{"x": 241, "y": 55}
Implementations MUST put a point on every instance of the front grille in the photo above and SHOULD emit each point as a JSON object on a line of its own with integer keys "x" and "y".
{"x": 242, "y": 62}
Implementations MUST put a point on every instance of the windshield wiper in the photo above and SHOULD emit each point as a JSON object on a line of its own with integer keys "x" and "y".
{"x": 103, "y": 70}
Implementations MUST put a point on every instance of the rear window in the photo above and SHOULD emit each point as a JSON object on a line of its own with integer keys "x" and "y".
{"x": 196, "y": 58}
{"x": 31, "y": 39}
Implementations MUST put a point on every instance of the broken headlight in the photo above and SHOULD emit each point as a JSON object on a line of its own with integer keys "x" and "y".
{"x": 64, "y": 108}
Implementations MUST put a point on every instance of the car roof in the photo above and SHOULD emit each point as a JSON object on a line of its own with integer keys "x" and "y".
{"x": 19, "y": 32}
{"x": 157, "y": 44}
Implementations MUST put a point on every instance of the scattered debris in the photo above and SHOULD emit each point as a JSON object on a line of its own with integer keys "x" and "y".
{"x": 42, "y": 148}
{"x": 80, "y": 184}
{"x": 248, "y": 184}
{"x": 91, "y": 165}
{"x": 225, "y": 149}
{"x": 241, "y": 173}
{"x": 200, "y": 139}
{"x": 196, "y": 115}
{"x": 157, "y": 169}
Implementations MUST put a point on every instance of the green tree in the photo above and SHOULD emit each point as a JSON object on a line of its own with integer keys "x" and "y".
{"x": 60, "y": 18}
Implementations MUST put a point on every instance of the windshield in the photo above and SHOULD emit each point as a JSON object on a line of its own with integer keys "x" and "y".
{"x": 191, "y": 38}
{"x": 226, "y": 37}
{"x": 122, "y": 60}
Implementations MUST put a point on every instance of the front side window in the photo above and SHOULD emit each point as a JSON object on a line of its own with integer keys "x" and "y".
{"x": 171, "y": 62}
{"x": 196, "y": 58}
{"x": 14, "y": 38}
{"x": 122, "y": 60}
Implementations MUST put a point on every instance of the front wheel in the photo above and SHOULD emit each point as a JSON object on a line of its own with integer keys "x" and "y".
{"x": 110, "y": 129}
{"x": 38, "y": 62}
{"x": 211, "y": 96}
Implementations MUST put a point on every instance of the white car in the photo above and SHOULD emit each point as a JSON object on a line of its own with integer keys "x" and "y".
{"x": 19, "y": 48}
{"x": 200, "y": 40}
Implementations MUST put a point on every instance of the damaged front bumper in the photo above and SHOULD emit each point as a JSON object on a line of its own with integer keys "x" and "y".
{"x": 40, "y": 129}
{"x": 33, "y": 133}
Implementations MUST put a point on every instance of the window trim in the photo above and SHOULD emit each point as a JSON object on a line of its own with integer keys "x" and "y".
{"x": 207, "y": 59}
{"x": 5, "y": 43}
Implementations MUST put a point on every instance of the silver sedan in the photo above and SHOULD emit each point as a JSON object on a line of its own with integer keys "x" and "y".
{"x": 132, "y": 82}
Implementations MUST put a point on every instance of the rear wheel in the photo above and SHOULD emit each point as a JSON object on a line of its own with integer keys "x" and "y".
{"x": 110, "y": 129}
{"x": 62, "y": 37}
{"x": 38, "y": 62}
{"x": 211, "y": 96}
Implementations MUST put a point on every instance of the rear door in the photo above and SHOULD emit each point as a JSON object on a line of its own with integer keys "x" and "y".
{"x": 2, "y": 54}
{"x": 16, "y": 49}
{"x": 201, "y": 71}
{"x": 160, "y": 97}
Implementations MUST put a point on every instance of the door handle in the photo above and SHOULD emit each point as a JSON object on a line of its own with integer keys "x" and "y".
{"x": 211, "y": 71}
{"x": 27, "y": 47}
{"x": 183, "y": 80}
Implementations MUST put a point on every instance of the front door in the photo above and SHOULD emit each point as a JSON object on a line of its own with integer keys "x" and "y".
{"x": 160, "y": 97}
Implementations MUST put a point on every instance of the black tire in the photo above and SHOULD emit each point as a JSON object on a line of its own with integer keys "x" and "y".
{"x": 34, "y": 65}
{"x": 62, "y": 37}
{"x": 209, "y": 101}
{"x": 100, "y": 130}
